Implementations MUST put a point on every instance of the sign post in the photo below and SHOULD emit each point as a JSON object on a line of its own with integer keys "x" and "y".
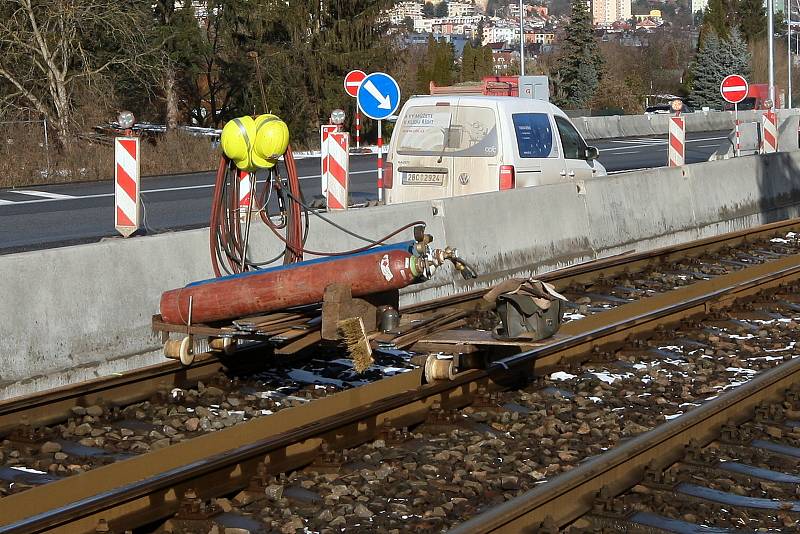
{"x": 338, "y": 166}
{"x": 734, "y": 89}
{"x": 128, "y": 212}
{"x": 676, "y": 153}
{"x": 351, "y": 84}
{"x": 378, "y": 97}
{"x": 324, "y": 131}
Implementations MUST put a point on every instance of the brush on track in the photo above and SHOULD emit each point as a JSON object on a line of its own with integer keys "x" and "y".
{"x": 355, "y": 337}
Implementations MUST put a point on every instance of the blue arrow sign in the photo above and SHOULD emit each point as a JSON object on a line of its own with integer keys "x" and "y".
{"x": 378, "y": 96}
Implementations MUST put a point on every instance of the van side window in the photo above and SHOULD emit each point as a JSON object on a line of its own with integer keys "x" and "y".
{"x": 534, "y": 135}
{"x": 574, "y": 146}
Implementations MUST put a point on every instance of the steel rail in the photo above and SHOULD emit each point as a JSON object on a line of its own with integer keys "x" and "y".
{"x": 571, "y": 495}
{"x": 149, "y": 486}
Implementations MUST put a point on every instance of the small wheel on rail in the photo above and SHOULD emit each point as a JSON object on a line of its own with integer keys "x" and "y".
{"x": 180, "y": 349}
{"x": 226, "y": 345}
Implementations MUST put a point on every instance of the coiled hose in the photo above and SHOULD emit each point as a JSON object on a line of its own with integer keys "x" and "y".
{"x": 229, "y": 233}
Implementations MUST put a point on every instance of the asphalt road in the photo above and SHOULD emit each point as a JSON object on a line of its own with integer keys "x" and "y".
{"x": 57, "y": 215}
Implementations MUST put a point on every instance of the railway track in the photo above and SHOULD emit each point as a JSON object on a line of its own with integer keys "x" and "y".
{"x": 250, "y": 456}
{"x": 730, "y": 465}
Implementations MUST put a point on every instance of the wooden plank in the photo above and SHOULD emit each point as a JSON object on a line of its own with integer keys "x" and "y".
{"x": 453, "y": 320}
{"x": 299, "y": 344}
{"x": 447, "y": 348}
{"x": 267, "y": 322}
{"x": 388, "y": 337}
{"x": 196, "y": 329}
{"x": 291, "y": 334}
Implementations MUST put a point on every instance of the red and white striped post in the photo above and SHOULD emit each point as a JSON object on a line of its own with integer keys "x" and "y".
{"x": 358, "y": 128}
{"x": 324, "y": 132}
{"x": 769, "y": 140}
{"x": 380, "y": 163}
{"x": 677, "y": 141}
{"x": 245, "y": 192}
{"x": 337, "y": 169}
{"x": 738, "y": 148}
{"x": 127, "y": 202}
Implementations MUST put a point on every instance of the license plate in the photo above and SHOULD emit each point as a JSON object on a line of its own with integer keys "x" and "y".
{"x": 423, "y": 178}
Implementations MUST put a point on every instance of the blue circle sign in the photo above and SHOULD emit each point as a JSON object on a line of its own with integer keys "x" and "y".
{"x": 378, "y": 96}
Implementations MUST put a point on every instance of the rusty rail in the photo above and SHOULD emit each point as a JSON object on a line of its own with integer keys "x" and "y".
{"x": 149, "y": 487}
{"x": 571, "y": 495}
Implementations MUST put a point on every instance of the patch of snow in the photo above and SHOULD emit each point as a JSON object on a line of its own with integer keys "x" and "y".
{"x": 561, "y": 375}
{"x": 28, "y": 470}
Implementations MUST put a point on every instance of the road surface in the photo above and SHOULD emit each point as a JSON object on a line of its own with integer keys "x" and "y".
{"x": 57, "y": 215}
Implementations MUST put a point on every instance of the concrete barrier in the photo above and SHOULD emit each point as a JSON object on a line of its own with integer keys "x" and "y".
{"x": 611, "y": 127}
{"x": 78, "y": 312}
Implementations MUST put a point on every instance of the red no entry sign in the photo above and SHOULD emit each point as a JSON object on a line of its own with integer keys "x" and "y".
{"x": 353, "y": 81}
{"x": 733, "y": 88}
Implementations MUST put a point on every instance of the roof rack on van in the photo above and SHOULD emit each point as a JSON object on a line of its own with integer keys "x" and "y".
{"x": 532, "y": 87}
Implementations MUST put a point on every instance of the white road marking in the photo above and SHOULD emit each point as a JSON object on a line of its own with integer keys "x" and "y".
{"x": 160, "y": 190}
{"x": 660, "y": 142}
{"x": 43, "y": 194}
{"x": 633, "y": 141}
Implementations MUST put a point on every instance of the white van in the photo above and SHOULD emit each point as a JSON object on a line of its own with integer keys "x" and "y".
{"x": 451, "y": 145}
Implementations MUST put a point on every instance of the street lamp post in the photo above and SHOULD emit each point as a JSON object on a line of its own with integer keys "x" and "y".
{"x": 770, "y": 44}
{"x": 521, "y": 39}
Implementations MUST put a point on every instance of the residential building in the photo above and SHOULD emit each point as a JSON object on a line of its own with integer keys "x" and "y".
{"x": 699, "y": 5}
{"x": 540, "y": 37}
{"x": 505, "y": 33}
{"x": 655, "y": 14}
{"x": 460, "y": 9}
{"x": 403, "y": 10}
{"x": 608, "y": 11}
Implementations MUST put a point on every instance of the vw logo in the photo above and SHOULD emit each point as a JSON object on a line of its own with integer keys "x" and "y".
{"x": 463, "y": 178}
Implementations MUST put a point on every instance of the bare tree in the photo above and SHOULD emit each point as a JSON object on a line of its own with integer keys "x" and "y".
{"x": 48, "y": 47}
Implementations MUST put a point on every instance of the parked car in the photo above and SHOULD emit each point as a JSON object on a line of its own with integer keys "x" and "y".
{"x": 659, "y": 109}
{"x": 451, "y": 145}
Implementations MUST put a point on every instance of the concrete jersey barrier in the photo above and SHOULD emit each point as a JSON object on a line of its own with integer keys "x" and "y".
{"x": 615, "y": 126}
{"x": 79, "y": 312}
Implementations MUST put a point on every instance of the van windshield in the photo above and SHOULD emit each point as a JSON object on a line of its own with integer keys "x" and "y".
{"x": 456, "y": 131}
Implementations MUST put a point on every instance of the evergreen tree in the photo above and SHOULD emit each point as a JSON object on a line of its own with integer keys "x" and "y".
{"x": 468, "y": 63}
{"x": 428, "y": 10}
{"x": 443, "y": 63}
{"x": 735, "y": 55}
{"x": 752, "y": 19}
{"x": 477, "y": 42}
{"x": 580, "y": 65}
{"x": 183, "y": 42}
{"x": 437, "y": 66}
{"x": 707, "y": 73}
{"x": 485, "y": 65}
{"x": 440, "y": 10}
{"x": 715, "y": 18}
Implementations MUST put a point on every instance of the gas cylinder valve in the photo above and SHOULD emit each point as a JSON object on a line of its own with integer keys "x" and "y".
{"x": 433, "y": 259}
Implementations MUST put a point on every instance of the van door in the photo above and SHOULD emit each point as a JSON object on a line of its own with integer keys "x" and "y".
{"x": 539, "y": 162}
{"x": 576, "y": 166}
{"x": 421, "y": 165}
{"x": 474, "y": 149}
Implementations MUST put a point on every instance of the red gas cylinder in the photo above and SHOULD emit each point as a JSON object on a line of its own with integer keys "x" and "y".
{"x": 240, "y": 295}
